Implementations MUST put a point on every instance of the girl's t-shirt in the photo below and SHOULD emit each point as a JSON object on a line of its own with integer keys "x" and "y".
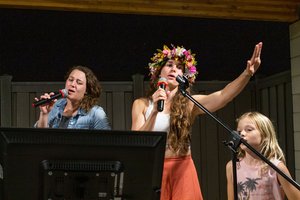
{"x": 258, "y": 182}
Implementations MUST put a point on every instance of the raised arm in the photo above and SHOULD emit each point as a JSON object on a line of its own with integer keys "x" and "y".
{"x": 220, "y": 98}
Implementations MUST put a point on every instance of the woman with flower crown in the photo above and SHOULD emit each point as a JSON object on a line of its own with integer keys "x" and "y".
{"x": 180, "y": 180}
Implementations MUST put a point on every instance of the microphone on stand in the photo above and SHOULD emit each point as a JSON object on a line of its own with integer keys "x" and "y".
{"x": 183, "y": 81}
{"x": 61, "y": 94}
{"x": 162, "y": 83}
{"x": 183, "y": 84}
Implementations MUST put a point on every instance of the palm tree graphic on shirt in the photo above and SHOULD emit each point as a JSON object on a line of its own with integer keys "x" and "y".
{"x": 245, "y": 188}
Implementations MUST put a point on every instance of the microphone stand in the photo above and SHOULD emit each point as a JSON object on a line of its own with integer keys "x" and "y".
{"x": 235, "y": 141}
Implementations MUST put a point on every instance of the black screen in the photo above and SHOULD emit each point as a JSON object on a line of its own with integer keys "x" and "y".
{"x": 80, "y": 164}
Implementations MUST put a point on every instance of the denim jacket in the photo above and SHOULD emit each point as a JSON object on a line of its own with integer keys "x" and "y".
{"x": 94, "y": 119}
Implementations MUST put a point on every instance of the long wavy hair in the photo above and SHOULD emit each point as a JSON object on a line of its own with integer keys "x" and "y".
{"x": 179, "y": 137}
{"x": 93, "y": 88}
{"x": 269, "y": 146}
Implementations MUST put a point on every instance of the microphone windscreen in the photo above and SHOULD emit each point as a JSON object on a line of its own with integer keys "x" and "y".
{"x": 64, "y": 93}
{"x": 162, "y": 81}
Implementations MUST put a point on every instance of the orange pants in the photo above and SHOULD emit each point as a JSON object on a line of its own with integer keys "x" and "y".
{"x": 180, "y": 180}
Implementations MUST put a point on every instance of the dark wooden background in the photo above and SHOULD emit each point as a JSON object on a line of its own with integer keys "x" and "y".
{"x": 41, "y": 45}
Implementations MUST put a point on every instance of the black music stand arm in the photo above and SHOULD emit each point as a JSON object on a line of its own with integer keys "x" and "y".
{"x": 234, "y": 160}
{"x": 236, "y": 138}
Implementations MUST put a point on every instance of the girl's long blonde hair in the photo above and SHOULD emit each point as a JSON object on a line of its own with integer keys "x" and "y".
{"x": 269, "y": 144}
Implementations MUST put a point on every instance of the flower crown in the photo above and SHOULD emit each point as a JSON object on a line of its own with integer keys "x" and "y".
{"x": 177, "y": 53}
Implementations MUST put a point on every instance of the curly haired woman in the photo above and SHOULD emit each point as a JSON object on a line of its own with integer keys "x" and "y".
{"x": 79, "y": 109}
{"x": 180, "y": 180}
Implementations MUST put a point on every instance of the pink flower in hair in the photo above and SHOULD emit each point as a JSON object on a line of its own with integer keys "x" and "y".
{"x": 193, "y": 69}
{"x": 165, "y": 52}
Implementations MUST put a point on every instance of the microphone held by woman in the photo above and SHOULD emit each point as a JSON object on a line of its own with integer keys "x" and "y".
{"x": 61, "y": 94}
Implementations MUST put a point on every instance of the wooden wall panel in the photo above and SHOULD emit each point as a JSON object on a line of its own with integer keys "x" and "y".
{"x": 276, "y": 103}
{"x": 128, "y": 105}
{"x": 5, "y": 101}
{"x": 22, "y": 108}
{"x": 290, "y": 140}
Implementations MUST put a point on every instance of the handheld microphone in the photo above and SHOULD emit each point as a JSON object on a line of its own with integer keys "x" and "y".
{"x": 162, "y": 83}
{"x": 61, "y": 94}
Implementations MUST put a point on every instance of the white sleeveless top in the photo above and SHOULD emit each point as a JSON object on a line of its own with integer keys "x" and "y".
{"x": 162, "y": 121}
